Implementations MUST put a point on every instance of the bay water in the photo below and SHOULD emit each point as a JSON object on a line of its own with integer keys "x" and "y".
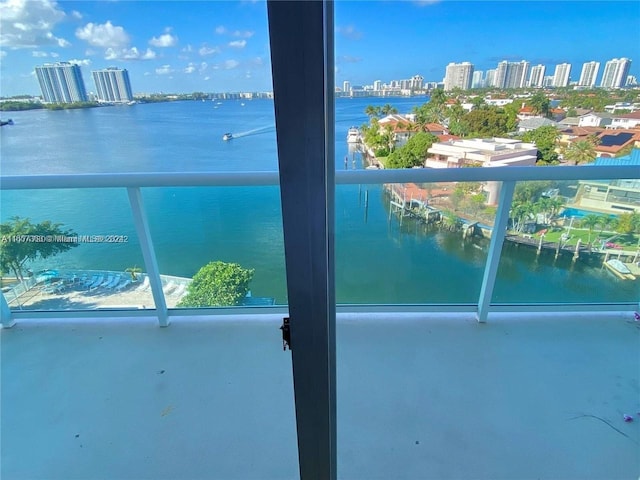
{"x": 377, "y": 259}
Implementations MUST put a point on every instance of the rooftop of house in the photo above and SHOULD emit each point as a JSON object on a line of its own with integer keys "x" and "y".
{"x": 533, "y": 123}
{"x": 418, "y": 396}
{"x": 632, "y": 159}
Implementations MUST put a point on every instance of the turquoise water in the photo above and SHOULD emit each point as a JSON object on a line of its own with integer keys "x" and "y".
{"x": 377, "y": 260}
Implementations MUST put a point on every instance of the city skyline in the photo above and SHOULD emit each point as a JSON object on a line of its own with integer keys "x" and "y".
{"x": 224, "y": 46}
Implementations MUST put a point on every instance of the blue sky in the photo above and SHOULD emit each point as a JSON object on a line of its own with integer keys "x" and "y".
{"x": 213, "y": 46}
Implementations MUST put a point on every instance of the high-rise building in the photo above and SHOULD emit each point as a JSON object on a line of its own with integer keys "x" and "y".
{"x": 490, "y": 78}
{"x": 536, "y": 79}
{"x": 511, "y": 74}
{"x": 458, "y": 75}
{"x": 589, "y": 74}
{"x": 417, "y": 82}
{"x": 377, "y": 85}
{"x": 61, "y": 83}
{"x": 112, "y": 85}
{"x": 632, "y": 81}
{"x": 615, "y": 73}
{"x": 346, "y": 86}
{"x": 477, "y": 81}
{"x": 561, "y": 75}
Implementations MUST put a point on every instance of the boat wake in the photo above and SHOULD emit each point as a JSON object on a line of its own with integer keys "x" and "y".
{"x": 255, "y": 131}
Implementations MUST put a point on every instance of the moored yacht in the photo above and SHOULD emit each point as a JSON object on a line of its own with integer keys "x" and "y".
{"x": 353, "y": 135}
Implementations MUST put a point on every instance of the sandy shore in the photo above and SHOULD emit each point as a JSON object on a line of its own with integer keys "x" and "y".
{"x": 77, "y": 297}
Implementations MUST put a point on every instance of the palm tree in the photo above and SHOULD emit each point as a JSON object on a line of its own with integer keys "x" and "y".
{"x": 372, "y": 111}
{"x": 133, "y": 271}
{"x": 581, "y": 151}
{"x": 387, "y": 109}
{"x": 590, "y": 221}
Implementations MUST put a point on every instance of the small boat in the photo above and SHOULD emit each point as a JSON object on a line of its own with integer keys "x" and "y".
{"x": 619, "y": 269}
{"x": 7, "y": 122}
{"x": 353, "y": 135}
{"x": 227, "y": 136}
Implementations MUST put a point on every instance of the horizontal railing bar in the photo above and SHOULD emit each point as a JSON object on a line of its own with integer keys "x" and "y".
{"x": 502, "y": 174}
{"x": 236, "y": 179}
{"x": 70, "y": 315}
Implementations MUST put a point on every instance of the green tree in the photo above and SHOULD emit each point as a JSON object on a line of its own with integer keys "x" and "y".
{"x": 540, "y": 104}
{"x": 218, "y": 284}
{"x": 22, "y": 241}
{"x": 488, "y": 122}
{"x": 388, "y": 109}
{"x": 545, "y": 139}
{"x": 581, "y": 151}
{"x": 590, "y": 222}
{"x": 413, "y": 153}
{"x": 372, "y": 111}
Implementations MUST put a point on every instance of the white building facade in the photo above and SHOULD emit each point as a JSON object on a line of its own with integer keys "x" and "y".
{"x": 112, "y": 85}
{"x": 589, "y": 74}
{"x": 615, "y": 73}
{"x": 561, "y": 75}
{"x": 492, "y": 152}
{"x": 512, "y": 74}
{"x": 536, "y": 79}
{"x": 61, "y": 83}
{"x": 458, "y": 75}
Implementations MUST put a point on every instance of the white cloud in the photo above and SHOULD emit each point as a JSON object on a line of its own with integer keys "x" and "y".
{"x": 203, "y": 67}
{"x": 243, "y": 34}
{"x": 350, "y": 32}
{"x": 105, "y": 35}
{"x": 129, "y": 54}
{"x": 187, "y": 49}
{"x": 190, "y": 68}
{"x": 230, "y": 64}
{"x": 208, "y": 50}
{"x": 3, "y": 54}
{"x": 164, "y": 40}
{"x": 164, "y": 70}
{"x": 221, "y": 30}
{"x": 238, "y": 44}
{"x": 207, "y": 78}
{"x": 41, "y": 54}
{"x": 85, "y": 62}
{"x": 30, "y": 24}
{"x": 76, "y": 14}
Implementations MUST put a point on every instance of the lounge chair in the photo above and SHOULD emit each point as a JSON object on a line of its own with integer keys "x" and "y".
{"x": 107, "y": 281}
{"x": 97, "y": 283}
{"x": 169, "y": 287}
{"x": 123, "y": 285}
{"x": 114, "y": 282}
{"x": 88, "y": 282}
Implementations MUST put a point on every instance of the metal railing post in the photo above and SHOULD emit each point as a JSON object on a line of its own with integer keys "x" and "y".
{"x": 6, "y": 318}
{"x": 495, "y": 250}
{"x": 148, "y": 254}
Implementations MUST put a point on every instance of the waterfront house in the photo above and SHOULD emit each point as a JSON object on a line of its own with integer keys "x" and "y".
{"x": 628, "y": 120}
{"x": 477, "y": 152}
{"x": 600, "y": 119}
{"x": 613, "y": 196}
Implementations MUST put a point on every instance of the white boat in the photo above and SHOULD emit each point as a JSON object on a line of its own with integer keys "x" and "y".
{"x": 227, "y": 136}
{"x": 353, "y": 135}
{"x": 619, "y": 269}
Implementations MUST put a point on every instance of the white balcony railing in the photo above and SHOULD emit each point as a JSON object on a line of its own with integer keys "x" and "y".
{"x": 133, "y": 182}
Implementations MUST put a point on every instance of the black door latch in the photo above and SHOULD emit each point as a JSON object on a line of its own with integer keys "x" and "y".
{"x": 286, "y": 333}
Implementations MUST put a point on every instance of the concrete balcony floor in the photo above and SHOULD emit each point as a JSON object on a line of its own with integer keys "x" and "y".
{"x": 536, "y": 396}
